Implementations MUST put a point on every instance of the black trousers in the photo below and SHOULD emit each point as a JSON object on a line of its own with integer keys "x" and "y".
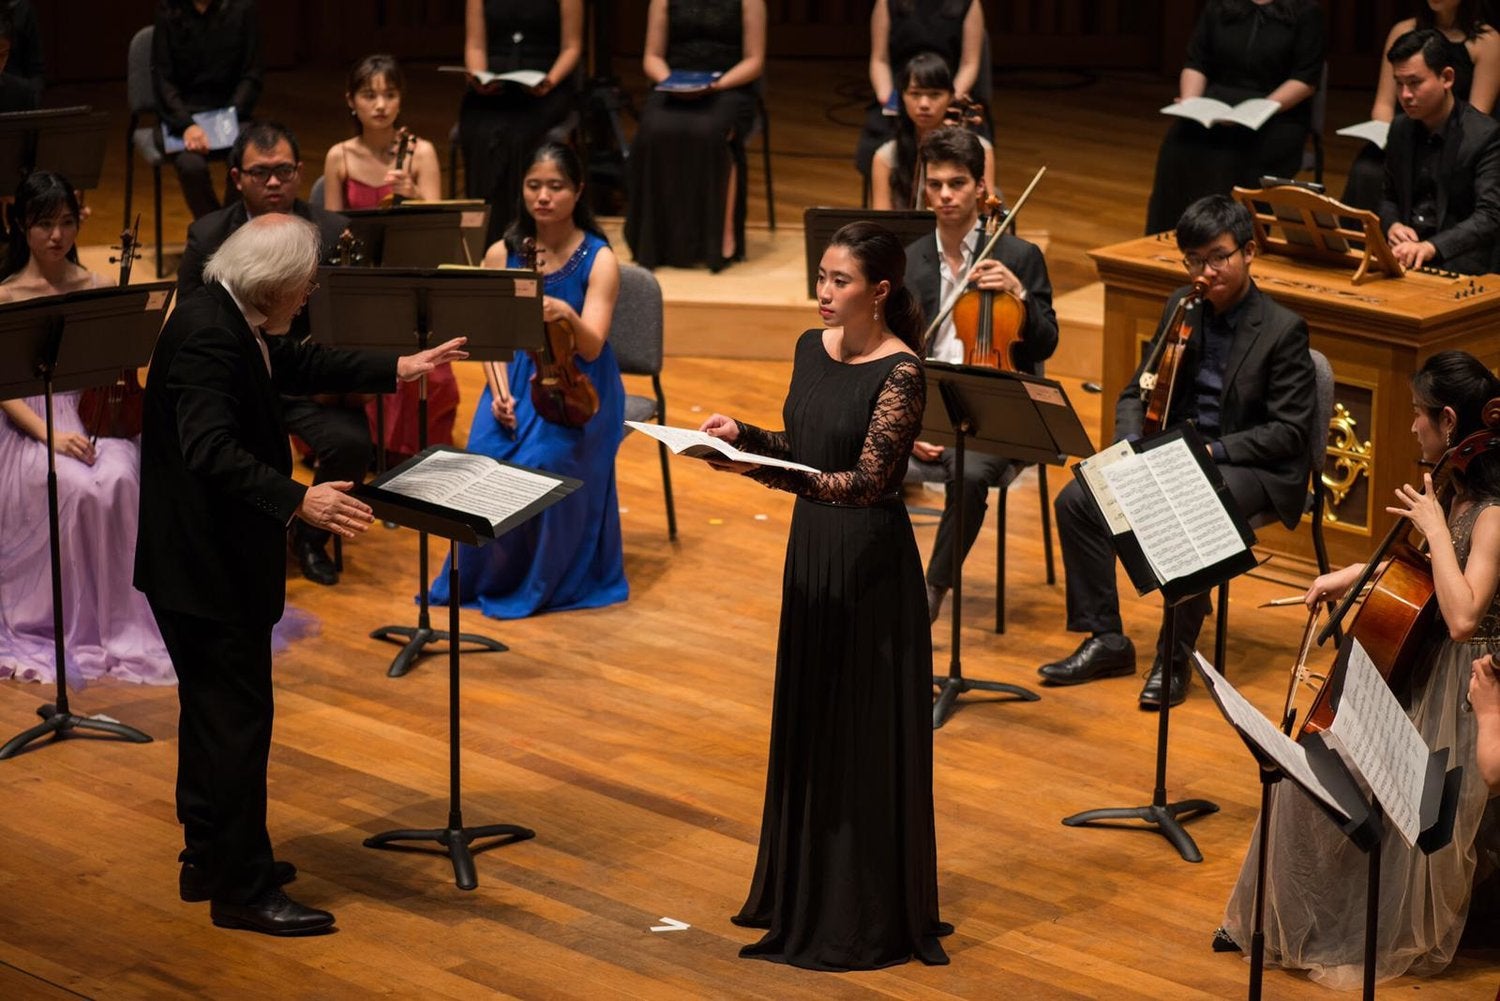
{"x": 340, "y": 439}
{"x": 223, "y": 746}
{"x": 1089, "y": 561}
{"x": 981, "y": 472}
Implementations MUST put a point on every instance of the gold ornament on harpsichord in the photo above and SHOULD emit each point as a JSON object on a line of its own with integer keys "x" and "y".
{"x": 1351, "y": 460}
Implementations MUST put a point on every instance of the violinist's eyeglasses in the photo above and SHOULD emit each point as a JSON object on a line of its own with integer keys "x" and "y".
{"x": 261, "y": 173}
{"x": 1196, "y": 264}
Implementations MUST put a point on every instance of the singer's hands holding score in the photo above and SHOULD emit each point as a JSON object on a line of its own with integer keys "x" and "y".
{"x": 725, "y": 429}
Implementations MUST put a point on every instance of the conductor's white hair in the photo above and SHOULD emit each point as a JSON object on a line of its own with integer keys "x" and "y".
{"x": 267, "y": 259}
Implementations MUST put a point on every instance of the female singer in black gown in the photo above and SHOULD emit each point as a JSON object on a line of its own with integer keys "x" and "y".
{"x": 501, "y": 124}
{"x": 687, "y": 162}
{"x": 1240, "y": 49}
{"x": 846, "y": 876}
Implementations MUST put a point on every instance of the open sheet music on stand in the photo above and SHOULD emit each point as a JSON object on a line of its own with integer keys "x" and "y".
{"x": 485, "y": 496}
{"x": 1175, "y": 524}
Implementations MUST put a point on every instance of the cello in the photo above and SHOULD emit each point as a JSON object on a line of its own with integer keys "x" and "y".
{"x": 1159, "y": 375}
{"x": 560, "y": 393}
{"x": 1396, "y": 616}
{"x": 115, "y": 411}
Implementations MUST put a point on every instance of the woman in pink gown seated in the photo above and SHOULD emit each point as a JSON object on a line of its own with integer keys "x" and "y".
{"x": 359, "y": 173}
{"x": 108, "y": 628}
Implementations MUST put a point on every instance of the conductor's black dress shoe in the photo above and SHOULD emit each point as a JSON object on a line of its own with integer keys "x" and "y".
{"x": 271, "y": 913}
{"x": 316, "y": 566}
{"x": 192, "y": 882}
{"x": 1151, "y": 693}
{"x": 1103, "y": 655}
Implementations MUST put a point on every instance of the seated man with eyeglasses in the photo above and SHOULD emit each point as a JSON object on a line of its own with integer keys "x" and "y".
{"x": 265, "y": 165}
{"x": 1247, "y": 383}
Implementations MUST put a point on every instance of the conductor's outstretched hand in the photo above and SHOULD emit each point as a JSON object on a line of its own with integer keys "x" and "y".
{"x": 329, "y": 506}
{"x": 409, "y": 367}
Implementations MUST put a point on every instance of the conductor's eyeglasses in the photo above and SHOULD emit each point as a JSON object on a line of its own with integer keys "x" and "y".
{"x": 1196, "y": 264}
{"x": 261, "y": 173}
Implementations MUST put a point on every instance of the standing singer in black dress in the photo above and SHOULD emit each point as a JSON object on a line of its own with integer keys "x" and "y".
{"x": 846, "y": 875}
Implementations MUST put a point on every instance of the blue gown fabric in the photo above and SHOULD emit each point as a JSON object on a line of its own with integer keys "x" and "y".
{"x": 570, "y": 555}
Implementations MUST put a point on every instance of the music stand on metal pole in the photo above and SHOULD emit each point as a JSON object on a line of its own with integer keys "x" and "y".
{"x": 401, "y": 309}
{"x": 1010, "y": 414}
{"x": 456, "y": 526}
{"x": 62, "y": 343}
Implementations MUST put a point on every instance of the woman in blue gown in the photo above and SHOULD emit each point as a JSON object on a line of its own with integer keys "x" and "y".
{"x": 570, "y": 555}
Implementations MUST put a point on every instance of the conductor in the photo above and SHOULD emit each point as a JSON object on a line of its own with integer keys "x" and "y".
{"x": 216, "y": 499}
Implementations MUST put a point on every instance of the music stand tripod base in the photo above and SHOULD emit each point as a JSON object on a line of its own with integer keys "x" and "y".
{"x": 951, "y": 687}
{"x": 457, "y": 842}
{"x": 1163, "y": 816}
{"x": 61, "y": 723}
{"x": 418, "y": 636}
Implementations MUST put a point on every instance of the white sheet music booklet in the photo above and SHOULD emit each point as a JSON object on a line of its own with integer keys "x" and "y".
{"x": 475, "y": 484}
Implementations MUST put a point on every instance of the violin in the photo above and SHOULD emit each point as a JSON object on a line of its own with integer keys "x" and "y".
{"x": 992, "y": 322}
{"x": 966, "y": 111}
{"x": 988, "y": 323}
{"x": 115, "y": 411}
{"x": 1395, "y": 618}
{"x": 405, "y": 142}
{"x": 1159, "y": 377}
{"x": 560, "y": 393}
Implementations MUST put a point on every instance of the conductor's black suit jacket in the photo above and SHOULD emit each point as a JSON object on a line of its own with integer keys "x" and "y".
{"x": 216, "y": 487}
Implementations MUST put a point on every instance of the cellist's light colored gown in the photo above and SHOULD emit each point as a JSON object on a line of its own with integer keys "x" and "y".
{"x": 1315, "y": 878}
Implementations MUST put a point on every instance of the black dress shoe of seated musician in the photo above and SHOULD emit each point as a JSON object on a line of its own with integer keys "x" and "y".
{"x": 1223, "y": 943}
{"x": 316, "y": 566}
{"x": 1151, "y": 693}
{"x": 1104, "y": 655}
{"x": 271, "y": 913}
{"x": 192, "y": 882}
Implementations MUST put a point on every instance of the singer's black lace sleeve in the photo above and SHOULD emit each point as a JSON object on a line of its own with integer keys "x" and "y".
{"x": 762, "y": 442}
{"x": 893, "y": 429}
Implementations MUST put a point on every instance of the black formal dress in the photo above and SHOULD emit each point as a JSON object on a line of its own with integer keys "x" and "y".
{"x": 499, "y": 132}
{"x": 846, "y": 873}
{"x": 1258, "y": 435}
{"x": 1038, "y": 341}
{"x": 1366, "y": 181}
{"x": 202, "y": 61}
{"x": 684, "y": 146}
{"x": 1244, "y": 55}
{"x": 339, "y": 436}
{"x": 1446, "y": 185}
{"x": 216, "y": 497}
{"x": 929, "y": 26}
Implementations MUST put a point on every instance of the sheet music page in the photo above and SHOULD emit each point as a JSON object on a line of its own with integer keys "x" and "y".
{"x": 1092, "y": 469}
{"x": 472, "y": 483}
{"x": 1290, "y": 756}
{"x": 1157, "y": 527}
{"x": 1192, "y": 496}
{"x": 699, "y": 444}
{"x": 1373, "y": 733}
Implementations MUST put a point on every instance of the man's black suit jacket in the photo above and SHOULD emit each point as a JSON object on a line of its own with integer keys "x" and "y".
{"x": 208, "y": 234}
{"x": 216, "y": 487}
{"x": 1039, "y": 336}
{"x": 1267, "y": 403}
{"x": 1468, "y": 188}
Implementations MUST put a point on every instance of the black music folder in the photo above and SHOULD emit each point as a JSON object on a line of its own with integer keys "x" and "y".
{"x": 1173, "y": 520}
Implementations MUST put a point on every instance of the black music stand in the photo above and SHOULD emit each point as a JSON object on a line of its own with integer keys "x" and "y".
{"x": 400, "y": 309}
{"x": 70, "y": 141}
{"x": 456, "y": 525}
{"x": 1358, "y": 817}
{"x": 69, "y": 342}
{"x": 1009, "y": 414}
{"x": 1159, "y": 812}
{"x": 820, "y": 223}
{"x": 418, "y": 234}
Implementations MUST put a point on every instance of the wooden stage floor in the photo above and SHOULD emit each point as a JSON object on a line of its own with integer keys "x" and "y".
{"x": 633, "y": 740}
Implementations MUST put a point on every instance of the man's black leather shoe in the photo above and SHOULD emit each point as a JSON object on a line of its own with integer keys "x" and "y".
{"x": 1103, "y": 656}
{"x": 316, "y": 566}
{"x": 192, "y": 882}
{"x": 1151, "y": 693}
{"x": 271, "y": 913}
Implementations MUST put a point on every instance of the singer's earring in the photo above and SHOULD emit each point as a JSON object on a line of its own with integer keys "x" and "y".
{"x": 1448, "y": 437}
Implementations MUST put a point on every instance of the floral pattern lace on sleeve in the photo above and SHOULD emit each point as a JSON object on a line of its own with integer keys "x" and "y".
{"x": 893, "y": 428}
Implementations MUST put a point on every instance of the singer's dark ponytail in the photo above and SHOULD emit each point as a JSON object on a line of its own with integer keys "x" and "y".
{"x": 882, "y": 259}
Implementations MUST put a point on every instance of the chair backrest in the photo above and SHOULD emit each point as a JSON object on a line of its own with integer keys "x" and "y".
{"x": 315, "y": 193}
{"x": 138, "y": 89}
{"x": 1317, "y": 443}
{"x": 1320, "y": 103}
{"x": 636, "y": 330}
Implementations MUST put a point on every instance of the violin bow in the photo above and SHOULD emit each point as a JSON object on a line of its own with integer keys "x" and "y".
{"x": 960, "y": 288}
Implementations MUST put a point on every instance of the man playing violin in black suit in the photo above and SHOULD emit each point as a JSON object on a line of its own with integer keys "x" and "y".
{"x": 953, "y": 161}
{"x": 1247, "y": 382}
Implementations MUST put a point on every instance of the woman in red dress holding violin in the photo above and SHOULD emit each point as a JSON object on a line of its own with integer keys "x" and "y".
{"x": 382, "y": 162}
{"x": 1315, "y": 882}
